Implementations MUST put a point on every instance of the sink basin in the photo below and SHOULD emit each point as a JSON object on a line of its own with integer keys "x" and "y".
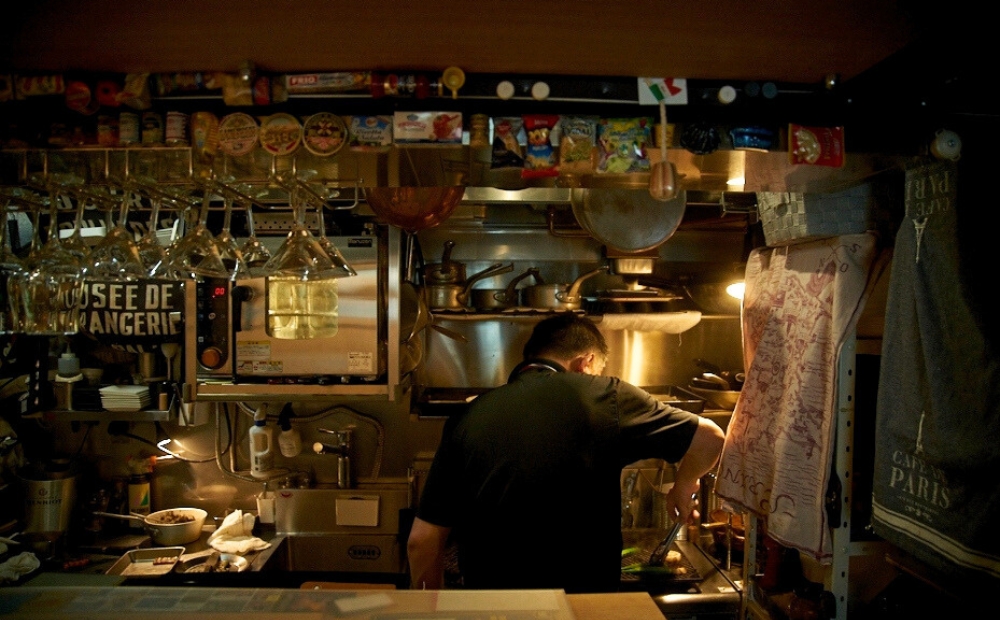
{"x": 338, "y": 530}
{"x": 326, "y": 553}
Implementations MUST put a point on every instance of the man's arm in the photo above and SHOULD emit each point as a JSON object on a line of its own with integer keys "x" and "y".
{"x": 425, "y": 549}
{"x": 701, "y": 457}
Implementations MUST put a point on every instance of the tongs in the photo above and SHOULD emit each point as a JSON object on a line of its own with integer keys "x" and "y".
{"x": 657, "y": 556}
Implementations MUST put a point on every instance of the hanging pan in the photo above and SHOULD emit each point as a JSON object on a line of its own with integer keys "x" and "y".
{"x": 627, "y": 219}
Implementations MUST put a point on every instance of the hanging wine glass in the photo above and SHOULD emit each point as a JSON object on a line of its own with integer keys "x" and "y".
{"x": 229, "y": 250}
{"x": 116, "y": 256}
{"x": 338, "y": 260}
{"x": 254, "y": 251}
{"x": 10, "y": 265}
{"x": 45, "y": 296}
{"x": 195, "y": 254}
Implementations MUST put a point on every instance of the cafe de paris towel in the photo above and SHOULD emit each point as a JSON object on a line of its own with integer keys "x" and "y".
{"x": 801, "y": 302}
{"x": 937, "y": 435}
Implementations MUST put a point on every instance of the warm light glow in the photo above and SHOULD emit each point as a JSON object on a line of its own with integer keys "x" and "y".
{"x": 736, "y": 182}
{"x": 736, "y": 290}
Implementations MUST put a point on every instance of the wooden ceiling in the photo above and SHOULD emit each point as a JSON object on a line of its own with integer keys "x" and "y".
{"x": 800, "y": 41}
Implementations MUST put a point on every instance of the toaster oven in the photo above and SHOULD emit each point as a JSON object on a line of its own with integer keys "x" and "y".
{"x": 233, "y": 343}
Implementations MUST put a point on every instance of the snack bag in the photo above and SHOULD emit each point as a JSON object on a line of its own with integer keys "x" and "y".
{"x": 577, "y": 144}
{"x": 540, "y": 159}
{"x": 622, "y": 143}
{"x": 507, "y": 151}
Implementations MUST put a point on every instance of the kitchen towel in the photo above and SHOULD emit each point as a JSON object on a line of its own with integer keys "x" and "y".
{"x": 937, "y": 454}
{"x": 801, "y": 301}
{"x": 235, "y": 535}
{"x": 18, "y": 565}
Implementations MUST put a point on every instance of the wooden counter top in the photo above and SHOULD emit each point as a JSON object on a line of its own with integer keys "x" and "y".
{"x": 170, "y": 603}
{"x": 631, "y": 605}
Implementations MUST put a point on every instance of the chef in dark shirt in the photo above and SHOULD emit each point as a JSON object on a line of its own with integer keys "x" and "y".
{"x": 528, "y": 478}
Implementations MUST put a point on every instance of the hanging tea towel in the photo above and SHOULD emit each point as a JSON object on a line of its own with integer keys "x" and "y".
{"x": 801, "y": 302}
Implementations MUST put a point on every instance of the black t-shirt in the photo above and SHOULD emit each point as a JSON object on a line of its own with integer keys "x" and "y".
{"x": 529, "y": 478}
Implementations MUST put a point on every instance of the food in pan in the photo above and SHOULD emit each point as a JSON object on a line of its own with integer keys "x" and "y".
{"x": 172, "y": 518}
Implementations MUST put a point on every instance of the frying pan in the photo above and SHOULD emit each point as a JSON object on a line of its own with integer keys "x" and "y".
{"x": 625, "y": 219}
{"x": 162, "y": 527}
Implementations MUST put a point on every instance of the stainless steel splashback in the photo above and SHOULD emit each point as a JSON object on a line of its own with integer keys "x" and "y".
{"x": 641, "y": 358}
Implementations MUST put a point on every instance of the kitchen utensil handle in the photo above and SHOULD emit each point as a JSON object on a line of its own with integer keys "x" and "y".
{"x": 658, "y": 554}
{"x": 117, "y": 516}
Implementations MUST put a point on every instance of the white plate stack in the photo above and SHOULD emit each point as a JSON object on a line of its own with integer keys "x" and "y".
{"x": 125, "y": 397}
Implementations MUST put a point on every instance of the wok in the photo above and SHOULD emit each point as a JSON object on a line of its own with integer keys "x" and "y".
{"x": 176, "y": 526}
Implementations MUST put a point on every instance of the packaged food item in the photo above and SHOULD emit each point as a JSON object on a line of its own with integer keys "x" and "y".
{"x": 176, "y": 129}
{"x": 237, "y": 134}
{"x": 107, "y": 93}
{"x": 577, "y": 144}
{"x": 280, "y": 134}
{"x": 176, "y": 83}
{"x": 135, "y": 93}
{"x": 427, "y": 127}
{"x": 338, "y": 82}
{"x": 370, "y": 133}
{"x": 622, "y": 143}
{"x": 204, "y": 135}
{"x": 816, "y": 146}
{"x": 128, "y": 128}
{"x": 507, "y": 139}
{"x": 324, "y": 134}
{"x": 479, "y": 131}
{"x": 236, "y": 91}
{"x": 80, "y": 99}
{"x": 540, "y": 158}
{"x": 38, "y": 85}
{"x": 152, "y": 128}
{"x": 107, "y": 130}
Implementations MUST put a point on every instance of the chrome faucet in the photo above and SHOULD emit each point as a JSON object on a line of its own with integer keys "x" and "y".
{"x": 340, "y": 447}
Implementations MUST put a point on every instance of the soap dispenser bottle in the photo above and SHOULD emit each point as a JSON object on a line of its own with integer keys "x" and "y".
{"x": 289, "y": 439}
{"x": 261, "y": 445}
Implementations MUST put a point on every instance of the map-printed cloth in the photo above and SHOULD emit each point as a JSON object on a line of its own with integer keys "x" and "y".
{"x": 801, "y": 301}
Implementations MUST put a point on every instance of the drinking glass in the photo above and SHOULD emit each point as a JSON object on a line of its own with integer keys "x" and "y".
{"x": 45, "y": 296}
{"x": 116, "y": 256}
{"x": 196, "y": 254}
{"x": 254, "y": 251}
{"x": 10, "y": 265}
{"x": 229, "y": 250}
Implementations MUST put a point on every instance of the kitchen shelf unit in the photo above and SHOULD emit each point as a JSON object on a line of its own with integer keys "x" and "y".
{"x": 845, "y": 547}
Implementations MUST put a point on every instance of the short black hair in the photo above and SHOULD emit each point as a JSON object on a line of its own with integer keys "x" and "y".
{"x": 565, "y": 335}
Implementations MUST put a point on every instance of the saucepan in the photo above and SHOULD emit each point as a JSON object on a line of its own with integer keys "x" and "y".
{"x": 500, "y": 298}
{"x": 447, "y": 271}
{"x": 456, "y": 296}
{"x": 557, "y": 296}
{"x": 176, "y": 526}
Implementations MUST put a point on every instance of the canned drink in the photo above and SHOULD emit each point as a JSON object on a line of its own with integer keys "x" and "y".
{"x": 152, "y": 128}
{"x": 128, "y": 128}
{"x": 176, "y": 132}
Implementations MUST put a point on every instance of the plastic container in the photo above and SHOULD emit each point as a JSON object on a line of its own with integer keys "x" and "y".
{"x": 261, "y": 446}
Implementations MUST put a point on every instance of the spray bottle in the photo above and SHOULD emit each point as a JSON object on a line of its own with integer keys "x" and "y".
{"x": 261, "y": 445}
{"x": 289, "y": 440}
